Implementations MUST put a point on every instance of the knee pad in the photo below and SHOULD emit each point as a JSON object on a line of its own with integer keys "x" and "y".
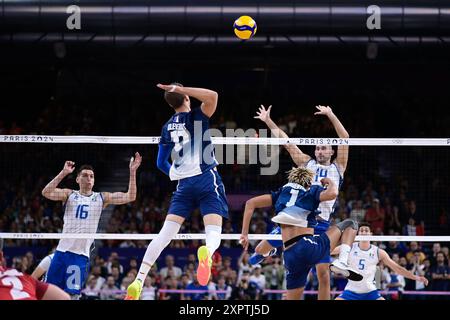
{"x": 347, "y": 223}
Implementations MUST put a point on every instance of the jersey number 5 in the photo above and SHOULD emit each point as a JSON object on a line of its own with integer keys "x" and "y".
{"x": 361, "y": 264}
{"x": 82, "y": 211}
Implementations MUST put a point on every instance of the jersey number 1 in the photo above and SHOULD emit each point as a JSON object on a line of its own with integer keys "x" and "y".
{"x": 294, "y": 195}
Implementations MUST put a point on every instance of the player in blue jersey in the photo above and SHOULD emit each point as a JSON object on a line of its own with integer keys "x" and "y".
{"x": 323, "y": 167}
{"x": 296, "y": 206}
{"x": 186, "y": 137}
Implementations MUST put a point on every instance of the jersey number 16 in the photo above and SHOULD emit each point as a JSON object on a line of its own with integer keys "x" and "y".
{"x": 82, "y": 211}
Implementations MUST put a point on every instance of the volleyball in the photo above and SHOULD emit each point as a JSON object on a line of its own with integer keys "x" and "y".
{"x": 244, "y": 27}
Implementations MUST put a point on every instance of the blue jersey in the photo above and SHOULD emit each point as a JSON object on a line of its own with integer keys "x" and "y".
{"x": 186, "y": 136}
{"x": 294, "y": 205}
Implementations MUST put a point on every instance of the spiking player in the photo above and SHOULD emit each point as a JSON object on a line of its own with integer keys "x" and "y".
{"x": 187, "y": 137}
{"x": 364, "y": 258}
{"x": 70, "y": 264}
{"x": 296, "y": 206}
{"x": 323, "y": 168}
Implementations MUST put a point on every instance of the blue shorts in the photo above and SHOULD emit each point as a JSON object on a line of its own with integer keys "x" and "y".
{"x": 322, "y": 227}
{"x": 205, "y": 191}
{"x": 302, "y": 256}
{"x": 350, "y": 295}
{"x": 68, "y": 271}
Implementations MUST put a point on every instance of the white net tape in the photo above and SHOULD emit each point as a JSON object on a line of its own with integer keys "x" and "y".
{"x": 201, "y": 236}
{"x": 229, "y": 140}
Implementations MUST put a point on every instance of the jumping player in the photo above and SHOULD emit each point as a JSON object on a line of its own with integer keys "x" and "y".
{"x": 323, "y": 167}
{"x": 186, "y": 137}
{"x": 364, "y": 257}
{"x": 296, "y": 206}
{"x": 70, "y": 264}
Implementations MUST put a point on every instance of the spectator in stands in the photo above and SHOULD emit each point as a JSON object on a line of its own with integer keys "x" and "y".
{"x": 395, "y": 247}
{"x": 216, "y": 264}
{"x": 245, "y": 290}
{"x": 243, "y": 264}
{"x": 97, "y": 278}
{"x": 436, "y": 249}
{"x": 91, "y": 292}
{"x": 440, "y": 274}
{"x": 194, "y": 285}
{"x": 413, "y": 251}
{"x": 428, "y": 275}
{"x": 222, "y": 286}
{"x": 418, "y": 269}
{"x": 258, "y": 278}
{"x": 170, "y": 267}
{"x": 411, "y": 229}
{"x": 132, "y": 266}
{"x": 396, "y": 284}
{"x": 392, "y": 220}
{"x": 170, "y": 283}
{"x": 149, "y": 290}
{"x": 418, "y": 218}
{"x": 110, "y": 289}
{"x": 375, "y": 215}
{"x": 113, "y": 260}
{"x": 274, "y": 273}
{"x": 115, "y": 274}
{"x": 358, "y": 213}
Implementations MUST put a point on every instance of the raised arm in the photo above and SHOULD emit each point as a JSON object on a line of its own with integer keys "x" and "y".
{"x": 207, "y": 97}
{"x": 122, "y": 197}
{"x": 342, "y": 153}
{"x": 51, "y": 191}
{"x": 384, "y": 257}
{"x": 331, "y": 191}
{"x": 250, "y": 206}
{"x": 299, "y": 158}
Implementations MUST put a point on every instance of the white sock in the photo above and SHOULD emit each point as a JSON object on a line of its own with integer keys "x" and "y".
{"x": 213, "y": 237}
{"x": 344, "y": 253}
{"x": 154, "y": 249}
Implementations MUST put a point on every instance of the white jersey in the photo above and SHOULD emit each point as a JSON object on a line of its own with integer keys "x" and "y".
{"x": 332, "y": 172}
{"x": 81, "y": 215}
{"x": 365, "y": 262}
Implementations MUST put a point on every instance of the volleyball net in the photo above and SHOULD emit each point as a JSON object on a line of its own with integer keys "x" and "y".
{"x": 401, "y": 186}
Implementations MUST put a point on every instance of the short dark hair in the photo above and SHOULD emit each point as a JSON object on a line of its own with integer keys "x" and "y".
{"x": 174, "y": 99}
{"x": 85, "y": 167}
{"x": 365, "y": 224}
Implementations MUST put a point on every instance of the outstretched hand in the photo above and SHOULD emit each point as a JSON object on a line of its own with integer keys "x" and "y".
{"x": 167, "y": 87}
{"x": 263, "y": 114}
{"x": 326, "y": 111}
{"x": 135, "y": 161}
{"x": 69, "y": 167}
{"x": 244, "y": 241}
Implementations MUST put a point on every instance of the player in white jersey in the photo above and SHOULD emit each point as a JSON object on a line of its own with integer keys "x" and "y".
{"x": 323, "y": 167}
{"x": 364, "y": 257}
{"x": 83, "y": 208}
